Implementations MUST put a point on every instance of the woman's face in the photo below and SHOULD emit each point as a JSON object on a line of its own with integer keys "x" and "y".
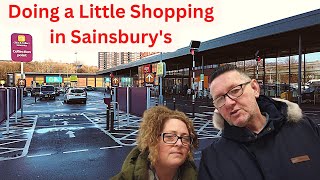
{"x": 173, "y": 154}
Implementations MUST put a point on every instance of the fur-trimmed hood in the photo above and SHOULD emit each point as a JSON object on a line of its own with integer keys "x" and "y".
{"x": 293, "y": 112}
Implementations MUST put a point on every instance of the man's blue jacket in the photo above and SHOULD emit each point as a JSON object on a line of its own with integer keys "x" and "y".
{"x": 287, "y": 148}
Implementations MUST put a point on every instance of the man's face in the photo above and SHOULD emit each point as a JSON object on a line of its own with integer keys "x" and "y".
{"x": 241, "y": 110}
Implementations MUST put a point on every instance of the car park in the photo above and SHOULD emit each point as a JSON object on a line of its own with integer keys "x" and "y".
{"x": 75, "y": 95}
{"x": 47, "y": 92}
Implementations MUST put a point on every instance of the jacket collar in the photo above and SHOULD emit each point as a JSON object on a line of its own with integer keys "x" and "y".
{"x": 279, "y": 111}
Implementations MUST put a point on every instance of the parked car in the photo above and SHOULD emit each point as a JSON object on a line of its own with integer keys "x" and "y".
{"x": 47, "y": 92}
{"x": 308, "y": 94}
{"x": 57, "y": 91}
{"x": 28, "y": 89}
{"x": 89, "y": 88}
{"x": 75, "y": 95}
{"x": 25, "y": 92}
{"x": 35, "y": 91}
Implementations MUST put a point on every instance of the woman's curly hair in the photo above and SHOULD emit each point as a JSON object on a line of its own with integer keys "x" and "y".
{"x": 152, "y": 125}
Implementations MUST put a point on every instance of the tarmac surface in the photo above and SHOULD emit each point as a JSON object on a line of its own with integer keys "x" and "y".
{"x": 54, "y": 140}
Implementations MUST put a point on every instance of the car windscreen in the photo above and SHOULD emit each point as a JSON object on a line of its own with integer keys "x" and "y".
{"x": 36, "y": 89}
{"x": 76, "y": 91}
{"x": 47, "y": 88}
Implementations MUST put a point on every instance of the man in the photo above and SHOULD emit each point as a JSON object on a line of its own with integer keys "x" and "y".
{"x": 261, "y": 138}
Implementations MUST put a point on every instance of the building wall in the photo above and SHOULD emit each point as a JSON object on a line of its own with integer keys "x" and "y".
{"x": 108, "y": 60}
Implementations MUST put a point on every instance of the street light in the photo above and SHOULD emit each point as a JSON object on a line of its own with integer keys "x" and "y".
{"x": 194, "y": 46}
{"x": 76, "y": 53}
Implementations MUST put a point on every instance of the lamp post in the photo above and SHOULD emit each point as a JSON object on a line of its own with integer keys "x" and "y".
{"x": 76, "y": 53}
{"x": 194, "y": 46}
{"x": 160, "y": 85}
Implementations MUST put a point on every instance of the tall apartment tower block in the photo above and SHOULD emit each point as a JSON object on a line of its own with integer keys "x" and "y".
{"x": 108, "y": 60}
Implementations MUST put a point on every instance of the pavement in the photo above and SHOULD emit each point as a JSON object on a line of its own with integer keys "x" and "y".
{"x": 54, "y": 140}
{"x": 70, "y": 141}
{"x": 185, "y": 104}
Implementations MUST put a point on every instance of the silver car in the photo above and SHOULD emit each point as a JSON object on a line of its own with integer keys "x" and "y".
{"x": 75, "y": 95}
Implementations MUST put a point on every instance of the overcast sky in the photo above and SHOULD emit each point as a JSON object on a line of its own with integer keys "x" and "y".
{"x": 230, "y": 16}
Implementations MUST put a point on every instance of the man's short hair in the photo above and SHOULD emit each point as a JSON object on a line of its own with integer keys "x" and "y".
{"x": 226, "y": 68}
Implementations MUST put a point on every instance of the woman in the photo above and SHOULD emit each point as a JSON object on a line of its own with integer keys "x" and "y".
{"x": 166, "y": 141}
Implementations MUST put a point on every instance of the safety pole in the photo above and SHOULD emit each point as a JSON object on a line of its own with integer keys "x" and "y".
{"x": 16, "y": 116}
{"x": 107, "y": 117}
{"x": 128, "y": 104}
{"x": 148, "y": 97}
{"x": 21, "y": 103}
{"x": 8, "y": 111}
{"x": 160, "y": 84}
{"x": 112, "y": 118}
{"x": 193, "y": 86}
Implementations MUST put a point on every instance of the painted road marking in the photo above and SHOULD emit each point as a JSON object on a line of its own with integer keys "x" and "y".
{"x": 81, "y": 150}
{"x": 210, "y": 107}
{"x": 10, "y": 140}
{"x": 39, "y": 155}
{"x": 111, "y": 147}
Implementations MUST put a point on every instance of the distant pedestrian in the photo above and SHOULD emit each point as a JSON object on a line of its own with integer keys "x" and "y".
{"x": 105, "y": 92}
{"x": 166, "y": 141}
{"x": 189, "y": 92}
{"x": 185, "y": 89}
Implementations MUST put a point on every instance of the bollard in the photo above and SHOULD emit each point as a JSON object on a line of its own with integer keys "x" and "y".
{"x": 165, "y": 103}
{"x": 112, "y": 119}
{"x": 193, "y": 104}
{"x": 107, "y": 118}
{"x": 174, "y": 103}
{"x": 35, "y": 98}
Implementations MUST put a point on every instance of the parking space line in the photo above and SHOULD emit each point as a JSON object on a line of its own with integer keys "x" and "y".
{"x": 5, "y": 148}
{"x": 12, "y": 142}
{"x": 205, "y": 125}
{"x": 81, "y": 150}
{"x": 13, "y": 150}
{"x": 25, "y": 133}
{"x": 311, "y": 111}
{"x": 26, "y": 149}
{"x": 39, "y": 155}
{"x": 133, "y": 133}
{"x": 208, "y": 137}
{"x": 103, "y": 130}
{"x": 111, "y": 147}
{"x": 207, "y": 107}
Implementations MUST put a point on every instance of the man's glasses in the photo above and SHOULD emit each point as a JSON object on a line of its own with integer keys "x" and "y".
{"x": 170, "y": 138}
{"x": 233, "y": 94}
